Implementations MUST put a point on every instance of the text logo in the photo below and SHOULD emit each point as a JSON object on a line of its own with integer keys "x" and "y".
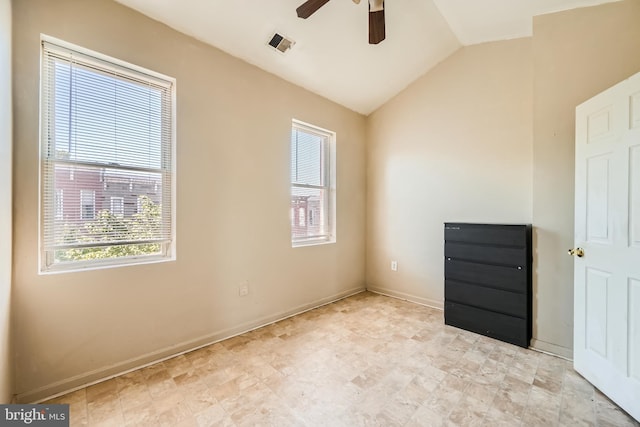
{"x": 34, "y": 415}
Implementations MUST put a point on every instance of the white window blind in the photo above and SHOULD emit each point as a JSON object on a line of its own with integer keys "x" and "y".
{"x": 312, "y": 185}
{"x": 107, "y": 145}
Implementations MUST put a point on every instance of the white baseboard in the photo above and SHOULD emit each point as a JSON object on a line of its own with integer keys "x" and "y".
{"x": 438, "y": 305}
{"x": 552, "y": 349}
{"x": 95, "y": 376}
{"x": 77, "y": 382}
{"x": 537, "y": 345}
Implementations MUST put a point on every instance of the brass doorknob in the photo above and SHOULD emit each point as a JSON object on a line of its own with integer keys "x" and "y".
{"x": 579, "y": 252}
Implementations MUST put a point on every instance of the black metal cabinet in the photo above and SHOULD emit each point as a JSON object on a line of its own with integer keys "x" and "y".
{"x": 487, "y": 280}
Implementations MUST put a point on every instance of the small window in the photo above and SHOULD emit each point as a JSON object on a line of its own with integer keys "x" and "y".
{"x": 59, "y": 202}
{"x": 117, "y": 206}
{"x": 301, "y": 220}
{"x": 107, "y": 138}
{"x": 139, "y": 204}
{"x": 87, "y": 204}
{"x": 312, "y": 185}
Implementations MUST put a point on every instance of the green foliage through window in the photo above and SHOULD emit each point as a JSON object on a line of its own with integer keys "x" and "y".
{"x": 109, "y": 228}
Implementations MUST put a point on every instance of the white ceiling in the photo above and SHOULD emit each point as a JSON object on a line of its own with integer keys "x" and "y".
{"x": 332, "y": 56}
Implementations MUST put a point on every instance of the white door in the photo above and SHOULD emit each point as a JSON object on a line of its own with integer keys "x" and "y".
{"x": 607, "y": 228}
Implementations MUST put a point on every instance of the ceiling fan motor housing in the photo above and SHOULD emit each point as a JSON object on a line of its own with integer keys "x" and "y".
{"x": 376, "y": 5}
{"x": 377, "y": 32}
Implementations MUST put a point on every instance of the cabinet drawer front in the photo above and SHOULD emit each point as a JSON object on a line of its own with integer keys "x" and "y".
{"x": 490, "y": 254}
{"x": 499, "y": 326}
{"x": 511, "y": 303}
{"x": 508, "y": 278}
{"x": 504, "y": 235}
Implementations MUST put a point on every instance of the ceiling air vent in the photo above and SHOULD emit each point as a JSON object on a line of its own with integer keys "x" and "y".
{"x": 281, "y": 43}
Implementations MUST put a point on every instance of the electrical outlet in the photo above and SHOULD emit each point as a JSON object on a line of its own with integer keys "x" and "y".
{"x": 394, "y": 265}
{"x": 243, "y": 289}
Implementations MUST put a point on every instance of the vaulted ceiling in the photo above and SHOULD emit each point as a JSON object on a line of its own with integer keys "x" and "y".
{"x": 331, "y": 55}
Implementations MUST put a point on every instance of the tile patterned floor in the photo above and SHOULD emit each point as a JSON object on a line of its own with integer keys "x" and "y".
{"x": 364, "y": 360}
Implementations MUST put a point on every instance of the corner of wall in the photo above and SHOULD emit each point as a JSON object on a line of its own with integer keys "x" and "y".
{"x": 6, "y": 142}
{"x": 552, "y": 349}
{"x": 593, "y": 48}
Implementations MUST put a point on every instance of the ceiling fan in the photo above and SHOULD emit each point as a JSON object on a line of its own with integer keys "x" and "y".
{"x": 376, "y": 16}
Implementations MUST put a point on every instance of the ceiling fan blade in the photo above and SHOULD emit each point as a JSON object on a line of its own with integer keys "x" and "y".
{"x": 376, "y": 24}
{"x": 309, "y": 7}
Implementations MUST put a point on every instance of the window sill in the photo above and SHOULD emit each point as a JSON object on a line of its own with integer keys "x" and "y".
{"x": 75, "y": 267}
{"x": 312, "y": 242}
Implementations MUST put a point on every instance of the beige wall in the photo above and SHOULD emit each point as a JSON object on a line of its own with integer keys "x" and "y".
{"x": 233, "y": 216}
{"x": 577, "y": 54}
{"x": 6, "y": 362}
{"x": 454, "y": 146}
{"x": 488, "y": 135}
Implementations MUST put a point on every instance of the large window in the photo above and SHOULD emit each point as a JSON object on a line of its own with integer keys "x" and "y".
{"x": 108, "y": 144}
{"x": 312, "y": 185}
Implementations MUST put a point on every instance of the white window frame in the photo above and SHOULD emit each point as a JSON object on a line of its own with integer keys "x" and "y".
{"x": 119, "y": 214}
{"x": 138, "y": 201}
{"x": 59, "y": 204}
{"x": 87, "y": 195}
{"x": 329, "y": 158}
{"x": 301, "y": 216}
{"x": 168, "y": 248}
